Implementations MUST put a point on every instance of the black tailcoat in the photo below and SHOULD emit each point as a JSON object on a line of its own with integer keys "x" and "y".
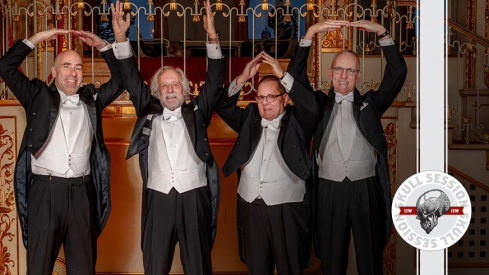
{"x": 41, "y": 104}
{"x": 367, "y": 111}
{"x": 296, "y": 127}
{"x": 197, "y": 116}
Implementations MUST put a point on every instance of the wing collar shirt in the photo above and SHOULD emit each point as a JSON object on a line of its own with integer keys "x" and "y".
{"x": 172, "y": 161}
{"x": 266, "y": 175}
{"x": 66, "y": 152}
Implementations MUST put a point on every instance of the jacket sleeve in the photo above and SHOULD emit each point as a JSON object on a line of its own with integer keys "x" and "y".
{"x": 307, "y": 107}
{"x": 233, "y": 115}
{"x": 140, "y": 93}
{"x": 214, "y": 82}
{"x": 109, "y": 91}
{"x": 393, "y": 80}
{"x": 20, "y": 85}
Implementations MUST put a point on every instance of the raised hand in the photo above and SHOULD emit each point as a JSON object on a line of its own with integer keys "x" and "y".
{"x": 120, "y": 23}
{"x": 250, "y": 69}
{"x": 90, "y": 39}
{"x": 276, "y": 68}
{"x": 325, "y": 26}
{"x": 368, "y": 26}
{"x": 47, "y": 35}
{"x": 209, "y": 22}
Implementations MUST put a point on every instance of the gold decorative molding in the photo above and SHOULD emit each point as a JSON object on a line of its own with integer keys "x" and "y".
{"x": 469, "y": 61}
{"x": 7, "y": 198}
{"x": 390, "y": 253}
{"x": 334, "y": 41}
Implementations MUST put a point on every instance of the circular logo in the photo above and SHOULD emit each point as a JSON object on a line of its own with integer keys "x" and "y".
{"x": 431, "y": 210}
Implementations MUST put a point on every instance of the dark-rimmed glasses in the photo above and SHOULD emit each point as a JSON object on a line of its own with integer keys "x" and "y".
{"x": 270, "y": 98}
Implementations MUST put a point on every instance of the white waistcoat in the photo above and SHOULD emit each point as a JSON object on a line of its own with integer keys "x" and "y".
{"x": 344, "y": 151}
{"x": 184, "y": 172}
{"x": 266, "y": 174}
{"x": 66, "y": 152}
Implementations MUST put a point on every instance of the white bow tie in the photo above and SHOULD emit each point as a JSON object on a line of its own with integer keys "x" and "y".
{"x": 167, "y": 113}
{"x": 274, "y": 123}
{"x": 339, "y": 97}
{"x": 75, "y": 99}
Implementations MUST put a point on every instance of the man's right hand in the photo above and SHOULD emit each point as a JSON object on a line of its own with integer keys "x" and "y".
{"x": 325, "y": 26}
{"x": 47, "y": 35}
{"x": 120, "y": 23}
{"x": 250, "y": 69}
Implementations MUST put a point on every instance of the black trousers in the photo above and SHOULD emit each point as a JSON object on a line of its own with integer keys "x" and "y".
{"x": 61, "y": 211}
{"x": 273, "y": 235}
{"x": 173, "y": 217}
{"x": 345, "y": 207}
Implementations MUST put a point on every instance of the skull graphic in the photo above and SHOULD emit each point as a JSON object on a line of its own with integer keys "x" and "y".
{"x": 431, "y": 206}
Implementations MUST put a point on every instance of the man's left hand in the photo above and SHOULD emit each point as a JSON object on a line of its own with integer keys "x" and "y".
{"x": 209, "y": 21}
{"x": 90, "y": 39}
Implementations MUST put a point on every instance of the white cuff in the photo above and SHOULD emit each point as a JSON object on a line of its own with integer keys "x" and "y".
{"x": 213, "y": 51}
{"x": 386, "y": 42}
{"x": 29, "y": 43}
{"x": 105, "y": 48}
{"x": 287, "y": 81}
{"x": 122, "y": 50}
{"x": 305, "y": 43}
{"x": 233, "y": 88}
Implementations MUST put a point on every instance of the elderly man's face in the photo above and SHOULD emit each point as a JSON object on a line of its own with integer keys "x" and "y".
{"x": 341, "y": 72}
{"x": 171, "y": 89}
{"x": 271, "y": 110}
{"x": 68, "y": 72}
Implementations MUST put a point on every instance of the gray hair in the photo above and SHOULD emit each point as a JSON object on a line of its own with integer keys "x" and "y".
{"x": 155, "y": 86}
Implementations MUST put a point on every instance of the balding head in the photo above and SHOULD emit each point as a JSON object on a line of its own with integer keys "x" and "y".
{"x": 68, "y": 72}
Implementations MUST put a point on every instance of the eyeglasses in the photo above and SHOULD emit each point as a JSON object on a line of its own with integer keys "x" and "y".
{"x": 340, "y": 70}
{"x": 270, "y": 98}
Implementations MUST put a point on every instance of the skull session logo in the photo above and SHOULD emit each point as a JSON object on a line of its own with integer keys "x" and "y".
{"x": 431, "y": 210}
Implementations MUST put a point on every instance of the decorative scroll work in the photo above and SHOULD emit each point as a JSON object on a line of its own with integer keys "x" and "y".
{"x": 334, "y": 41}
{"x": 7, "y": 200}
{"x": 390, "y": 249}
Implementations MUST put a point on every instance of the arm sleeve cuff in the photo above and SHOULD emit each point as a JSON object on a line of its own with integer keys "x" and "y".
{"x": 28, "y": 43}
{"x": 213, "y": 50}
{"x": 105, "y": 48}
{"x": 386, "y": 42}
{"x": 233, "y": 88}
{"x": 287, "y": 81}
{"x": 122, "y": 50}
{"x": 305, "y": 43}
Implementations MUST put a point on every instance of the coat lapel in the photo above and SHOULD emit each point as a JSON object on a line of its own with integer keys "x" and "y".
{"x": 284, "y": 121}
{"x": 189, "y": 119}
{"x": 255, "y": 131}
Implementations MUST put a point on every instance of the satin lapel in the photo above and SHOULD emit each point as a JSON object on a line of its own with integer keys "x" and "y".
{"x": 357, "y": 103}
{"x": 328, "y": 108}
{"x": 55, "y": 106}
{"x": 284, "y": 121}
{"x": 255, "y": 131}
{"x": 189, "y": 119}
{"x": 87, "y": 98}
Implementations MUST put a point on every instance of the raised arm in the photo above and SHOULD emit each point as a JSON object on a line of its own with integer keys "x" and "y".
{"x": 306, "y": 106}
{"x": 216, "y": 71}
{"x": 140, "y": 93}
{"x": 22, "y": 87}
{"x": 395, "y": 69}
{"x": 233, "y": 115}
{"x": 110, "y": 90}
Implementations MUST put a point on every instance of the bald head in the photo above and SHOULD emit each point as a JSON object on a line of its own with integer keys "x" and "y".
{"x": 345, "y": 72}
{"x": 68, "y": 71}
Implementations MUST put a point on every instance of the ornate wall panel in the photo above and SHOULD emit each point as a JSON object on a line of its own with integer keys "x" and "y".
{"x": 9, "y": 238}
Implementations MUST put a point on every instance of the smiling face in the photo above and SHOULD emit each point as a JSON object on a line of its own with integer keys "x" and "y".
{"x": 171, "y": 89}
{"x": 342, "y": 82}
{"x": 68, "y": 72}
{"x": 271, "y": 110}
